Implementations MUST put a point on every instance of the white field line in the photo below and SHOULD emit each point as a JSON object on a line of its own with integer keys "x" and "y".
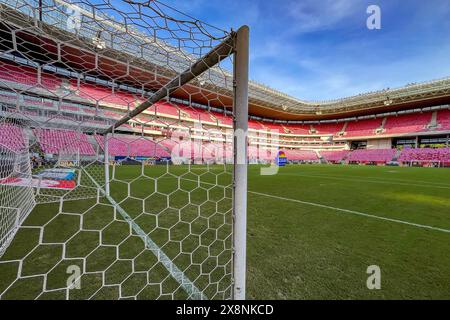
{"x": 405, "y": 180}
{"x": 365, "y": 180}
{"x": 352, "y": 212}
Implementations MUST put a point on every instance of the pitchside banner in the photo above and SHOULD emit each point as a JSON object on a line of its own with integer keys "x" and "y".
{"x": 62, "y": 179}
{"x": 57, "y": 174}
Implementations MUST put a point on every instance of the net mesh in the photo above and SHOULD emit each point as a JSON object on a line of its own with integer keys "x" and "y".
{"x": 143, "y": 212}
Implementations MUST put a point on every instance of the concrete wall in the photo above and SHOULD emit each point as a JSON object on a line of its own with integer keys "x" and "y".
{"x": 379, "y": 143}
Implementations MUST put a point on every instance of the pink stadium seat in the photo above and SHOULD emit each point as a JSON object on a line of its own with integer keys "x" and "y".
{"x": 133, "y": 146}
{"x": 407, "y": 123}
{"x": 255, "y": 125}
{"x": 11, "y": 138}
{"x": 295, "y": 129}
{"x": 372, "y": 155}
{"x": 103, "y": 95}
{"x": 223, "y": 119}
{"x": 28, "y": 76}
{"x": 63, "y": 141}
{"x": 273, "y": 127}
{"x": 362, "y": 128}
{"x": 259, "y": 153}
{"x": 334, "y": 156}
{"x": 301, "y": 155}
{"x": 443, "y": 119}
{"x": 425, "y": 154}
{"x": 328, "y": 128}
{"x": 213, "y": 151}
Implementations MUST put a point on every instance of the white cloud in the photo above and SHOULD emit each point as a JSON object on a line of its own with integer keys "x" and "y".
{"x": 313, "y": 15}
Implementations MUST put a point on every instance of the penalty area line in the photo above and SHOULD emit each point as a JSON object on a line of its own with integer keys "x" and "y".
{"x": 412, "y": 224}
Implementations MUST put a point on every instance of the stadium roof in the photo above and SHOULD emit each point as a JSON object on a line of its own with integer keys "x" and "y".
{"x": 215, "y": 88}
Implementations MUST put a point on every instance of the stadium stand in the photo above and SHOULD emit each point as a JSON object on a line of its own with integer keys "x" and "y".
{"x": 443, "y": 119}
{"x": 11, "y": 137}
{"x": 102, "y": 95}
{"x": 63, "y": 141}
{"x": 328, "y": 128}
{"x": 177, "y": 116}
{"x": 295, "y": 129}
{"x": 372, "y": 155}
{"x": 425, "y": 154}
{"x": 334, "y": 156}
{"x": 407, "y": 123}
{"x": 132, "y": 146}
{"x": 28, "y": 76}
{"x": 301, "y": 155}
{"x": 362, "y": 128}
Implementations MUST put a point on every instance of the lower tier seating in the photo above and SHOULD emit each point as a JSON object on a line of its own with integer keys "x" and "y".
{"x": 301, "y": 155}
{"x": 425, "y": 154}
{"x": 372, "y": 155}
{"x": 334, "y": 156}
{"x": 63, "y": 142}
{"x": 132, "y": 146}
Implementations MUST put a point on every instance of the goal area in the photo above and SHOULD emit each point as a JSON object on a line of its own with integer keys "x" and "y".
{"x": 123, "y": 152}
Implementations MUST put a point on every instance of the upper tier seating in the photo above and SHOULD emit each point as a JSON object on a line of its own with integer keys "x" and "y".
{"x": 132, "y": 146}
{"x": 28, "y": 76}
{"x": 96, "y": 93}
{"x": 103, "y": 95}
{"x": 425, "y": 154}
{"x": 271, "y": 127}
{"x": 443, "y": 119}
{"x": 255, "y": 125}
{"x": 328, "y": 128}
{"x": 372, "y": 155}
{"x": 301, "y": 155}
{"x": 362, "y": 128}
{"x": 11, "y": 138}
{"x": 63, "y": 142}
{"x": 295, "y": 129}
{"x": 334, "y": 156}
{"x": 407, "y": 123}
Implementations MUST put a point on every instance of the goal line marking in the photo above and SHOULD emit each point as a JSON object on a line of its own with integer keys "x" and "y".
{"x": 352, "y": 212}
{"x": 190, "y": 288}
{"x": 364, "y": 180}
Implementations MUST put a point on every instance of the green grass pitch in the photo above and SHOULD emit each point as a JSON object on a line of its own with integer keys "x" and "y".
{"x": 312, "y": 233}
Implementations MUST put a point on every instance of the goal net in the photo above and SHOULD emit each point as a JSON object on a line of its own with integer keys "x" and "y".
{"x": 121, "y": 173}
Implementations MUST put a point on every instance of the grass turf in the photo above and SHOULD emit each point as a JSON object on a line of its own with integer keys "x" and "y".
{"x": 295, "y": 250}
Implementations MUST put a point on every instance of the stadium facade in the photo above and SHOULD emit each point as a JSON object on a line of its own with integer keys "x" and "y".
{"x": 65, "y": 80}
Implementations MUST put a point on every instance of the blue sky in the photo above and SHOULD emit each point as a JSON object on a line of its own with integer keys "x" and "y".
{"x": 322, "y": 49}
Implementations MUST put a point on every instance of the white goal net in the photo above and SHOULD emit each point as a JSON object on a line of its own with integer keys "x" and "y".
{"x": 118, "y": 167}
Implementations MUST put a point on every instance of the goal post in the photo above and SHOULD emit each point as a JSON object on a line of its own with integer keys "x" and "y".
{"x": 241, "y": 65}
{"x": 424, "y": 163}
{"x": 120, "y": 120}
